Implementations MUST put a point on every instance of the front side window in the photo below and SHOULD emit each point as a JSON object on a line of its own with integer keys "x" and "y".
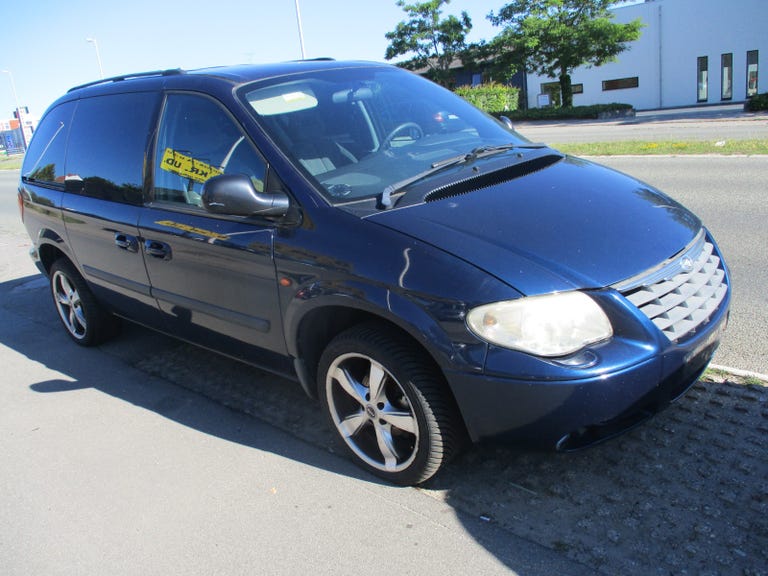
{"x": 702, "y": 79}
{"x": 752, "y": 73}
{"x": 198, "y": 140}
{"x": 726, "y": 76}
{"x": 356, "y": 131}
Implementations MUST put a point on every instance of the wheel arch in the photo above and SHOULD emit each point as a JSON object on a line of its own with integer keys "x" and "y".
{"x": 322, "y": 323}
{"x": 48, "y": 253}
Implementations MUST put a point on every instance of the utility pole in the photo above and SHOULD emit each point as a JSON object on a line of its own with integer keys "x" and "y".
{"x": 301, "y": 32}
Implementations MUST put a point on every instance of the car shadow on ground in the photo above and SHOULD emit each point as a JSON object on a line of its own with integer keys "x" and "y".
{"x": 685, "y": 492}
{"x": 160, "y": 363}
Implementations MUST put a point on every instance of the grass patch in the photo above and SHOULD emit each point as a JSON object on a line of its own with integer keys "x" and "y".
{"x": 721, "y": 377}
{"x": 713, "y": 375}
{"x": 634, "y": 147}
{"x": 11, "y": 162}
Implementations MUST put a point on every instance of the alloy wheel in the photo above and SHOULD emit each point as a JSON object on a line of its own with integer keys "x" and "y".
{"x": 69, "y": 305}
{"x": 372, "y": 412}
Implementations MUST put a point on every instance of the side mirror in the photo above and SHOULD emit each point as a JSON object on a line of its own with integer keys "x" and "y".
{"x": 235, "y": 195}
{"x": 507, "y": 122}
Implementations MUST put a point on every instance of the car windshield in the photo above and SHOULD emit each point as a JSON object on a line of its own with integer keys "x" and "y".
{"x": 358, "y": 131}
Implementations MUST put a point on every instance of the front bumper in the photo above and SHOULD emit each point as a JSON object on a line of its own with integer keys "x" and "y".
{"x": 616, "y": 386}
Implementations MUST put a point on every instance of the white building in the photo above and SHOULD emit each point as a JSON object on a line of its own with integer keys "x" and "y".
{"x": 690, "y": 52}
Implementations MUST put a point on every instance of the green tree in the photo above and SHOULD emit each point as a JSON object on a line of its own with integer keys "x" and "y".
{"x": 556, "y": 36}
{"x": 433, "y": 42}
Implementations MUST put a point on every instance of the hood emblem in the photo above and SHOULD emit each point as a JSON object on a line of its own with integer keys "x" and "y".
{"x": 686, "y": 264}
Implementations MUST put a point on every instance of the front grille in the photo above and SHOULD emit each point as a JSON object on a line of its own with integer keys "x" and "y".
{"x": 682, "y": 294}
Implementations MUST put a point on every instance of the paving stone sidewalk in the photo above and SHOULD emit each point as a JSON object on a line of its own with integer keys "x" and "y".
{"x": 685, "y": 493}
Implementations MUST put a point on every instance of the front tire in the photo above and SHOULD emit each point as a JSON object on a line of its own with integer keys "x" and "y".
{"x": 387, "y": 404}
{"x": 84, "y": 319}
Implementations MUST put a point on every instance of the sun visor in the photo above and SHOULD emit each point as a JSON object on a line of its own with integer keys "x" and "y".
{"x": 282, "y": 99}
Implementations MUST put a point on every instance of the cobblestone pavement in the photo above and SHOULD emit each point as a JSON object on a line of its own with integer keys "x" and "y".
{"x": 685, "y": 493}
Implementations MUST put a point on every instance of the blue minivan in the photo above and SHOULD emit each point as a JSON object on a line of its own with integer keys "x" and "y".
{"x": 428, "y": 274}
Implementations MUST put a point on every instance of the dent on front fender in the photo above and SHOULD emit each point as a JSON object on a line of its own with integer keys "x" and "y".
{"x": 387, "y": 275}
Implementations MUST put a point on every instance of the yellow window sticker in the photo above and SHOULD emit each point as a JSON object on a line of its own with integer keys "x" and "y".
{"x": 187, "y": 167}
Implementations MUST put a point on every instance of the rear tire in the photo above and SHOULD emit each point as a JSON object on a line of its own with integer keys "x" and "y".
{"x": 84, "y": 319}
{"x": 388, "y": 404}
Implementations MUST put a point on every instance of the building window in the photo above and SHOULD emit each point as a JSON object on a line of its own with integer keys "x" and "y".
{"x": 751, "y": 73}
{"x": 553, "y": 89}
{"x": 702, "y": 79}
{"x": 726, "y": 76}
{"x": 621, "y": 83}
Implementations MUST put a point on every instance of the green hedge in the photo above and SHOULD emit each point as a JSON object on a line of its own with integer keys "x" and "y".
{"x": 492, "y": 97}
{"x": 756, "y": 103}
{"x": 575, "y": 112}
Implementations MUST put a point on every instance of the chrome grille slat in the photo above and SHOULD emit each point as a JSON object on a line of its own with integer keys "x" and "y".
{"x": 699, "y": 290}
{"x": 680, "y": 301}
{"x": 648, "y": 293}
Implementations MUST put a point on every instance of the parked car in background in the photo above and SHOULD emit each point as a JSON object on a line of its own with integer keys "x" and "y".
{"x": 426, "y": 272}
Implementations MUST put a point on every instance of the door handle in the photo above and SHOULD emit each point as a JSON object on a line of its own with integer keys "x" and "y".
{"x": 157, "y": 249}
{"x": 126, "y": 242}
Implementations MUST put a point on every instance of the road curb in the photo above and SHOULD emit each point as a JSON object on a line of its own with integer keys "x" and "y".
{"x": 738, "y": 372}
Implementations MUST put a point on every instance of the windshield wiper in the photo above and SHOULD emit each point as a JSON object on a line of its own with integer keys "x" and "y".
{"x": 385, "y": 201}
{"x": 483, "y": 151}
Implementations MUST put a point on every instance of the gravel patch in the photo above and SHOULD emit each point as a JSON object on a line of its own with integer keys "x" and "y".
{"x": 684, "y": 493}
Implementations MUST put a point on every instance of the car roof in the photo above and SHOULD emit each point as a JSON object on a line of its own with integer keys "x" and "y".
{"x": 235, "y": 75}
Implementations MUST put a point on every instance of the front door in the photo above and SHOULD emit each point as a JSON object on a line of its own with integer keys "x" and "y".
{"x": 213, "y": 276}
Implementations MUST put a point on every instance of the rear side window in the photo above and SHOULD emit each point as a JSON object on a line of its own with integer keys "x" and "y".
{"x": 108, "y": 145}
{"x": 44, "y": 161}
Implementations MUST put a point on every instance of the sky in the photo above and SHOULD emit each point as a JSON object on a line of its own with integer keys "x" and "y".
{"x": 44, "y": 42}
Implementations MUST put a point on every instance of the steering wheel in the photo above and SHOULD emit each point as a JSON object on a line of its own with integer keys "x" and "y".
{"x": 400, "y": 128}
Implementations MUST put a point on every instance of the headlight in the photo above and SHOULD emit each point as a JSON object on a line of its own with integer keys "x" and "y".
{"x": 550, "y": 325}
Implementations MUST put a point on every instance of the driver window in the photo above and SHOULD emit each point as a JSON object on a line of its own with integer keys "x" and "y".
{"x": 198, "y": 140}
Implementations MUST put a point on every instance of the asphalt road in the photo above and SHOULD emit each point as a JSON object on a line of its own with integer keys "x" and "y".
{"x": 724, "y": 124}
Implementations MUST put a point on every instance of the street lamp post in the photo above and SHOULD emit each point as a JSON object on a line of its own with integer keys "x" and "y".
{"x": 98, "y": 55}
{"x": 301, "y": 32}
{"x": 18, "y": 110}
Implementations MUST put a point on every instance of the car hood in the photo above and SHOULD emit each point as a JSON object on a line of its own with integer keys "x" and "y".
{"x": 571, "y": 225}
